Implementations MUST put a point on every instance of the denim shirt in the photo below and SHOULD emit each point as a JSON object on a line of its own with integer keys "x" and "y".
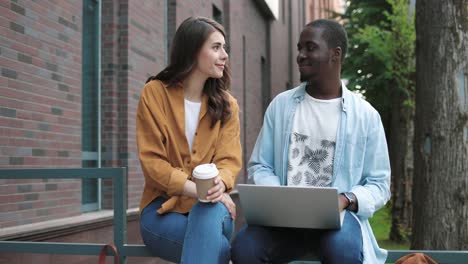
{"x": 361, "y": 164}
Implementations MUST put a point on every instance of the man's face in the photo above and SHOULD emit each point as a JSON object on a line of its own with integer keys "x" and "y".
{"x": 314, "y": 58}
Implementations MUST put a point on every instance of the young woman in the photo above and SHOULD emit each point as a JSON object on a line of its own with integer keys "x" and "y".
{"x": 185, "y": 118}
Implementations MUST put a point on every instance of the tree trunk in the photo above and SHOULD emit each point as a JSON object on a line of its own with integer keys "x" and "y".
{"x": 440, "y": 195}
{"x": 402, "y": 121}
{"x": 401, "y": 157}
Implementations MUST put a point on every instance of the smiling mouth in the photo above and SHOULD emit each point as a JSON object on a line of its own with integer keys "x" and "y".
{"x": 220, "y": 66}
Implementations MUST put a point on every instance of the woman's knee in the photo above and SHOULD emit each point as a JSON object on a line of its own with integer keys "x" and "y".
{"x": 209, "y": 209}
{"x": 163, "y": 234}
{"x": 166, "y": 245}
{"x": 212, "y": 216}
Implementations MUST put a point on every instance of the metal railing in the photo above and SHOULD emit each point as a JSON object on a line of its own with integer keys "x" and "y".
{"x": 119, "y": 179}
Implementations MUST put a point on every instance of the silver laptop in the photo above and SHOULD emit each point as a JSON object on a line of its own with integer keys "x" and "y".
{"x": 291, "y": 206}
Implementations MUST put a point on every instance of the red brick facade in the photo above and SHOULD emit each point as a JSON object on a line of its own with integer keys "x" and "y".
{"x": 41, "y": 86}
{"x": 40, "y": 107}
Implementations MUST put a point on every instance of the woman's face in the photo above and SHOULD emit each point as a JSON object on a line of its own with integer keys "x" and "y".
{"x": 212, "y": 57}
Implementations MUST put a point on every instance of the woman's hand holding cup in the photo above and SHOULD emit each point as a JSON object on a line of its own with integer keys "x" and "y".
{"x": 211, "y": 188}
{"x": 209, "y": 185}
{"x": 215, "y": 193}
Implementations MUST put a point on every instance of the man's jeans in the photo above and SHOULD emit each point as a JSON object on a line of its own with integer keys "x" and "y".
{"x": 258, "y": 244}
{"x": 202, "y": 236}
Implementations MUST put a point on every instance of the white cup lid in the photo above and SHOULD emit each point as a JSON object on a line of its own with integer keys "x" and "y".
{"x": 205, "y": 171}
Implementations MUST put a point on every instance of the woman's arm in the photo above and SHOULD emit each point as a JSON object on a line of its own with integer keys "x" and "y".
{"x": 158, "y": 172}
{"x": 228, "y": 152}
{"x": 190, "y": 189}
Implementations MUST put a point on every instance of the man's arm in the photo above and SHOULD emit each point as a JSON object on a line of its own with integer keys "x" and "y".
{"x": 373, "y": 190}
{"x": 348, "y": 201}
{"x": 261, "y": 165}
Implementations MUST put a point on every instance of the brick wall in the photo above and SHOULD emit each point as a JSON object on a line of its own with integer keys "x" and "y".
{"x": 319, "y": 9}
{"x": 40, "y": 106}
{"x": 297, "y": 25}
{"x": 147, "y": 53}
{"x": 281, "y": 53}
{"x": 40, "y": 86}
{"x": 184, "y": 9}
{"x": 134, "y": 48}
{"x": 248, "y": 45}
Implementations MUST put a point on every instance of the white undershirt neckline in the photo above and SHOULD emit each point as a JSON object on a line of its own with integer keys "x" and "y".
{"x": 192, "y": 113}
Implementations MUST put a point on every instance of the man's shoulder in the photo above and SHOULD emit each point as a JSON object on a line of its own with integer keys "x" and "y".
{"x": 288, "y": 94}
{"x": 359, "y": 104}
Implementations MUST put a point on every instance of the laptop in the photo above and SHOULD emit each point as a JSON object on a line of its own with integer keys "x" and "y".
{"x": 291, "y": 206}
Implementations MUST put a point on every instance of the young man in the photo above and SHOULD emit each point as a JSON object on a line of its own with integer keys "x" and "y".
{"x": 320, "y": 134}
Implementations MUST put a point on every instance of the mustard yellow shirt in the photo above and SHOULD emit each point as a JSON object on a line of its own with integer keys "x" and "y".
{"x": 164, "y": 152}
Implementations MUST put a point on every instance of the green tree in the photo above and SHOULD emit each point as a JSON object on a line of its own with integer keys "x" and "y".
{"x": 381, "y": 66}
{"x": 364, "y": 70}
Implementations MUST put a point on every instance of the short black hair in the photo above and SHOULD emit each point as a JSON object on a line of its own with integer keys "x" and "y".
{"x": 334, "y": 34}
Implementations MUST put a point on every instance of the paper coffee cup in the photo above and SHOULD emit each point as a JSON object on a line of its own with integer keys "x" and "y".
{"x": 203, "y": 176}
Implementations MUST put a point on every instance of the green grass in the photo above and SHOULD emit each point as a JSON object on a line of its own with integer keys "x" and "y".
{"x": 381, "y": 223}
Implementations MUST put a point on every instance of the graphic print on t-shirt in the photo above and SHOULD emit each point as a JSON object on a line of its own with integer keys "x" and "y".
{"x": 312, "y": 142}
{"x": 311, "y": 161}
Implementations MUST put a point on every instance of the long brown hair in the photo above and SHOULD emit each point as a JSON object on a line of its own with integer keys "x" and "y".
{"x": 187, "y": 43}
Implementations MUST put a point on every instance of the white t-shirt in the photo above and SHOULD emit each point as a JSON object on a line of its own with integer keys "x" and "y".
{"x": 192, "y": 112}
{"x": 312, "y": 142}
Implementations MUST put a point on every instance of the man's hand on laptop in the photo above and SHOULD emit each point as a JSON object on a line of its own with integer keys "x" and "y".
{"x": 343, "y": 202}
{"x": 348, "y": 201}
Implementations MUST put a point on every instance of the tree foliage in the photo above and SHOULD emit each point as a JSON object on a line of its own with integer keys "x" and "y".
{"x": 381, "y": 53}
{"x": 381, "y": 66}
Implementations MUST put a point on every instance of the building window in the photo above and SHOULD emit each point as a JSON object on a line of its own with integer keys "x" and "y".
{"x": 90, "y": 139}
{"x": 217, "y": 15}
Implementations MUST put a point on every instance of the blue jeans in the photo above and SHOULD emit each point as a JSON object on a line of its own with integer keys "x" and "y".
{"x": 259, "y": 244}
{"x": 202, "y": 236}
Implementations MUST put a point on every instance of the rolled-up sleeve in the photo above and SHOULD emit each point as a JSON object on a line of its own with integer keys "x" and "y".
{"x": 373, "y": 192}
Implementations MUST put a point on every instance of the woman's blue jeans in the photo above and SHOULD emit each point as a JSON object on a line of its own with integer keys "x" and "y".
{"x": 258, "y": 244}
{"x": 202, "y": 236}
